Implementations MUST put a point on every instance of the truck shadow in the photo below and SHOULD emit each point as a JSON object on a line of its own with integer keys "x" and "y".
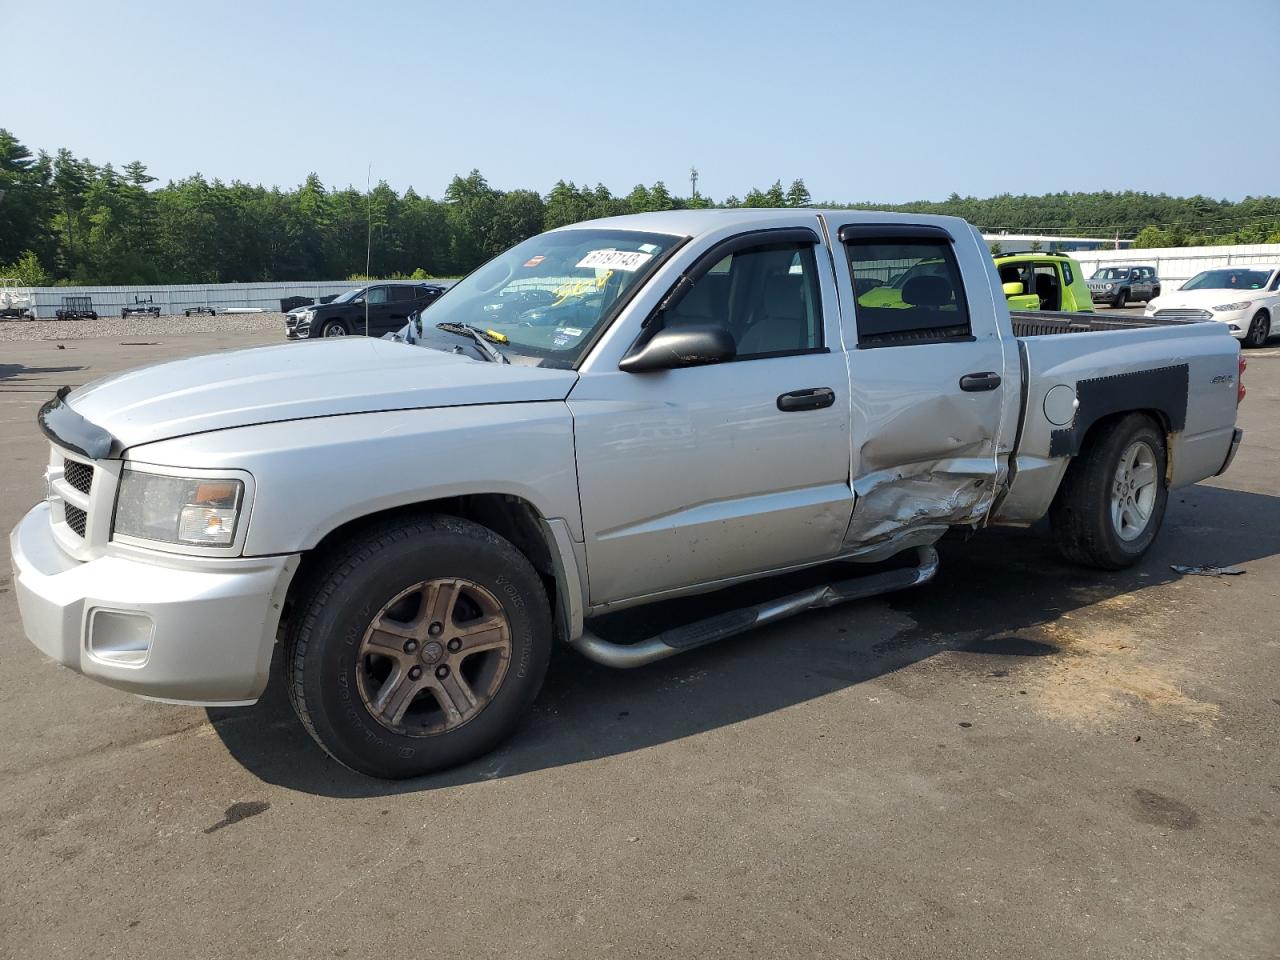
{"x": 11, "y": 371}
{"x": 989, "y": 593}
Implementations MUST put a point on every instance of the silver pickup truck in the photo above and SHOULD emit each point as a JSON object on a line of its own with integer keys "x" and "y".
{"x": 607, "y": 415}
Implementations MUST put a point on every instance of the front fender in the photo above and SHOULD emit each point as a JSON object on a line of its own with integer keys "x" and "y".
{"x": 312, "y": 476}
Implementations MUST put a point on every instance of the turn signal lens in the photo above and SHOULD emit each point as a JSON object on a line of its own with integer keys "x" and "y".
{"x": 1240, "y": 382}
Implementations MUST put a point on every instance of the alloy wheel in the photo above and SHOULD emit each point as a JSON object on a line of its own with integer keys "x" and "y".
{"x": 434, "y": 657}
{"x": 1133, "y": 493}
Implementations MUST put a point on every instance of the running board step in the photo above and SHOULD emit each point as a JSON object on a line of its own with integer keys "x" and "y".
{"x": 701, "y": 632}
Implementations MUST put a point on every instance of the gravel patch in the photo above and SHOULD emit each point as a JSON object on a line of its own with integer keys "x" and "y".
{"x": 12, "y": 331}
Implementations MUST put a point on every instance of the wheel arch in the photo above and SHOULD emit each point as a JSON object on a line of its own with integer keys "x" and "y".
{"x": 1160, "y": 393}
{"x": 545, "y": 543}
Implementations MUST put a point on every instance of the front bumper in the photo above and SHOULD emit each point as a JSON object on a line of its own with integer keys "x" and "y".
{"x": 200, "y": 633}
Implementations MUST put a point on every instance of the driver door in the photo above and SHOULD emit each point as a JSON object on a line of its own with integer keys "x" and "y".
{"x": 702, "y": 474}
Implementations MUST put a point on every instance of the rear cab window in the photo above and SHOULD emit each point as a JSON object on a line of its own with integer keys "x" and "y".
{"x": 908, "y": 287}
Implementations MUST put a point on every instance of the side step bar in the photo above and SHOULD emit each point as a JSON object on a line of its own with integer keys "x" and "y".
{"x": 701, "y": 632}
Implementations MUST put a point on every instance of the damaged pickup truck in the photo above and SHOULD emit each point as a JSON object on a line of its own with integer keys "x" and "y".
{"x": 607, "y": 415}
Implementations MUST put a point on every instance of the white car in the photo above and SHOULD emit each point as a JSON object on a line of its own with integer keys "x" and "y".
{"x": 1245, "y": 298}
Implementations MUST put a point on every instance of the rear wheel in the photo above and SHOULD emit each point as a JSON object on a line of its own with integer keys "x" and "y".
{"x": 333, "y": 328}
{"x": 420, "y": 646}
{"x": 1112, "y": 500}
{"x": 1259, "y": 330}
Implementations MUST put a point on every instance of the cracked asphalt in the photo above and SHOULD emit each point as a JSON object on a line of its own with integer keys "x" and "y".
{"x": 1021, "y": 759}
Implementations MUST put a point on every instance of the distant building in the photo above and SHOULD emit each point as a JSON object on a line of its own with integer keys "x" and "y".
{"x": 1022, "y": 242}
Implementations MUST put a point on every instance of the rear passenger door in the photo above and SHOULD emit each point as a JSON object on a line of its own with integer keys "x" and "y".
{"x": 928, "y": 388}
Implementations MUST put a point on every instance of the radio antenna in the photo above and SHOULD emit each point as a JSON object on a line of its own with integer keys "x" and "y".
{"x": 368, "y": 243}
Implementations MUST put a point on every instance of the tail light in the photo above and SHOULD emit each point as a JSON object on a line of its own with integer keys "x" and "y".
{"x": 1240, "y": 382}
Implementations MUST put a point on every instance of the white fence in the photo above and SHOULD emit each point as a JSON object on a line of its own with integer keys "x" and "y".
{"x": 1176, "y": 265}
{"x": 175, "y": 298}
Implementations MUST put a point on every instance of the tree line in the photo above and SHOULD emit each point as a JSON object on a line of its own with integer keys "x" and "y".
{"x": 64, "y": 219}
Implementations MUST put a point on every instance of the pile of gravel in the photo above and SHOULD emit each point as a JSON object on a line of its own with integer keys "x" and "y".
{"x": 140, "y": 326}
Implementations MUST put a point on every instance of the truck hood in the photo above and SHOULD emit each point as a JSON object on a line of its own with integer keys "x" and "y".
{"x": 321, "y": 378}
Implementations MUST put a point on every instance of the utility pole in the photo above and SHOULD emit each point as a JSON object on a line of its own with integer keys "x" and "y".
{"x": 693, "y": 181}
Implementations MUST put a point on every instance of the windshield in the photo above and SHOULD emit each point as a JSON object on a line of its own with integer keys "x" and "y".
{"x": 1112, "y": 273}
{"x": 348, "y": 296}
{"x": 546, "y": 297}
{"x": 1228, "y": 280}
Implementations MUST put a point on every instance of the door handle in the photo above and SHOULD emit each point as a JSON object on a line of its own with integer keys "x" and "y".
{"x": 815, "y": 398}
{"x": 977, "y": 382}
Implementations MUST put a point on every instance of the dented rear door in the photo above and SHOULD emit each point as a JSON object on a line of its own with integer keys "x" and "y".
{"x": 934, "y": 384}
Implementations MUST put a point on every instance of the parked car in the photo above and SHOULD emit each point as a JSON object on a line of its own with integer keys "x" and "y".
{"x": 1043, "y": 281}
{"x": 1245, "y": 298}
{"x": 417, "y": 521}
{"x": 385, "y": 307}
{"x": 76, "y": 308}
{"x": 1116, "y": 286}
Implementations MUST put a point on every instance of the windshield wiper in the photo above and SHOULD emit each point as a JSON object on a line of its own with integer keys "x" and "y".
{"x": 481, "y": 338}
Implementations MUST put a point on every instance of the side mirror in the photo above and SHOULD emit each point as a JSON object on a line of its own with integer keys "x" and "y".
{"x": 1014, "y": 289}
{"x": 691, "y": 346}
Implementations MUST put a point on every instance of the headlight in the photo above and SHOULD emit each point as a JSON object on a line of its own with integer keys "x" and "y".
{"x": 1229, "y": 307}
{"x": 183, "y": 510}
{"x": 307, "y": 316}
{"x": 1108, "y": 286}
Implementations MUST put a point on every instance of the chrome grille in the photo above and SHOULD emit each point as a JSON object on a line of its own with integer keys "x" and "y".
{"x": 79, "y": 475}
{"x": 76, "y": 519}
{"x": 1183, "y": 314}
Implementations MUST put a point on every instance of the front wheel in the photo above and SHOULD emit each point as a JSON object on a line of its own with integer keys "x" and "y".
{"x": 1112, "y": 500}
{"x": 421, "y": 645}
{"x": 334, "y": 328}
{"x": 1259, "y": 330}
{"x": 1121, "y": 299}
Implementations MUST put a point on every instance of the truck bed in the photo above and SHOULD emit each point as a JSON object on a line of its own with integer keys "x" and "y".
{"x": 1040, "y": 323}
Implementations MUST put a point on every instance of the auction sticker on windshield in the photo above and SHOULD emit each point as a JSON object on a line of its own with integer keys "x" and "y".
{"x": 615, "y": 259}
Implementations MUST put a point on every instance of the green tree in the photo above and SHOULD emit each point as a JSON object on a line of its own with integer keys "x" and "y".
{"x": 27, "y": 270}
{"x": 798, "y": 195}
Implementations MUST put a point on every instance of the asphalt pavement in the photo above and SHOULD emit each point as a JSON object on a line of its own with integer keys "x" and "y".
{"x": 1021, "y": 759}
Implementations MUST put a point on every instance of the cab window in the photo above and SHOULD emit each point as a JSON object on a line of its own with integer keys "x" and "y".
{"x": 767, "y": 297}
{"x": 376, "y": 295}
{"x": 919, "y": 297}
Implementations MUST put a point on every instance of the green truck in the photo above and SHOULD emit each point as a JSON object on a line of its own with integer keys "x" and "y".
{"x": 1031, "y": 281}
{"x": 1043, "y": 281}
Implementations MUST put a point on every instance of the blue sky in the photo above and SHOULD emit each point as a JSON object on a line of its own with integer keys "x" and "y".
{"x": 865, "y": 100}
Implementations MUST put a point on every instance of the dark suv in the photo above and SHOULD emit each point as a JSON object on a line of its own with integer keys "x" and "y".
{"x": 386, "y": 304}
{"x": 1119, "y": 285}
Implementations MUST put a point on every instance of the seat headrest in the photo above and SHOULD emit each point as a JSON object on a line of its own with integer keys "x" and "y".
{"x": 782, "y": 295}
{"x": 927, "y": 291}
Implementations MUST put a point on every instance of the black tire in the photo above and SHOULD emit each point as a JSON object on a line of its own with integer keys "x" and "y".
{"x": 334, "y": 328}
{"x": 1154, "y": 293}
{"x": 1259, "y": 330}
{"x": 323, "y": 653}
{"x": 1083, "y": 526}
{"x": 1121, "y": 299}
